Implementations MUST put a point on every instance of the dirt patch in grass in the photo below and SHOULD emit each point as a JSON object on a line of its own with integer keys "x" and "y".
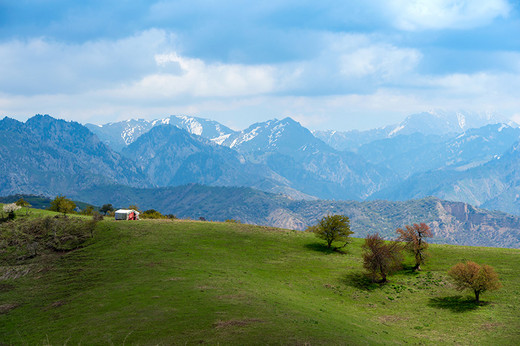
{"x": 236, "y": 323}
{"x": 153, "y": 264}
{"x": 491, "y": 326}
{"x": 238, "y": 296}
{"x": 5, "y": 308}
{"x": 385, "y": 319}
{"x": 14, "y": 272}
{"x": 175, "y": 279}
{"x": 56, "y": 304}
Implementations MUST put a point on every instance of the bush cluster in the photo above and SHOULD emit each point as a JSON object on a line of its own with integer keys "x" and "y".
{"x": 152, "y": 214}
{"x": 25, "y": 238}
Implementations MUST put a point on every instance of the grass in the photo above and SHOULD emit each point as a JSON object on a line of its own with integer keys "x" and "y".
{"x": 177, "y": 282}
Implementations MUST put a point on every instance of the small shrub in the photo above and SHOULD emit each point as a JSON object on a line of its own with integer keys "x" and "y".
{"x": 89, "y": 210}
{"x": 9, "y": 209}
{"x": 96, "y": 216}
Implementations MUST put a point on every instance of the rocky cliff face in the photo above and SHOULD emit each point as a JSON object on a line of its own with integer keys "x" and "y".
{"x": 462, "y": 223}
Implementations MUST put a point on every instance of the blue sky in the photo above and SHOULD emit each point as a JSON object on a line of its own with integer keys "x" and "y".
{"x": 328, "y": 64}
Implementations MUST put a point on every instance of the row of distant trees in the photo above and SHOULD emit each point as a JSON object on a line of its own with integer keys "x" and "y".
{"x": 62, "y": 204}
{"x": 382, "y": 258}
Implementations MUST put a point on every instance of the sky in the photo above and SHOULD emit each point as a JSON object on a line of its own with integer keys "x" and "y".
{"x": 328, "y": 64}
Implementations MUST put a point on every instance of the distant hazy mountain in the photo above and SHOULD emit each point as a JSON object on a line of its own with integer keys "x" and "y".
{"x": 415, "y": 153}
{"x": 494, "y": 185}
{"x": 308, "y": 163}
{"x": 427, "y": 123}
{"x": 120, "y": 134}
{"x": 451, "y": 222}
{"x": 50, "y": 156}
{"x": 351, "y": 140}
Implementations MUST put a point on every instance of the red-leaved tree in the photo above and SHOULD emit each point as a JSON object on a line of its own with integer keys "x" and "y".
{"x": 414, "y": 236}
{"x": 477, "y": 278}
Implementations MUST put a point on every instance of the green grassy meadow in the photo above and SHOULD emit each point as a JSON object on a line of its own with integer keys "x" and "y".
{"x": 167, "y": 282}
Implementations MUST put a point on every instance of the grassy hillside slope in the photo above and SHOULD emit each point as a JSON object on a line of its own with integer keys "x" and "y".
{"x": 177, "y": 282}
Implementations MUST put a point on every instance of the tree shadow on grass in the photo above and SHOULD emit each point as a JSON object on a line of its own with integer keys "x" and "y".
{"x": 456, "y": 303}
{"x": 408, "y": 270}
{"x": 320, "y": 247}
{"x": 360, "y": 281}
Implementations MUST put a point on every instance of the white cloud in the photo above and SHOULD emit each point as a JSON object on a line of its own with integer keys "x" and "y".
{"x": 445, "y": 14}
{"x": 352, "y": 81}
{"x": 351, "y": 63}
{"x": 200, "y": 79}
{"x": 382, "y": 60}
{"x": 42, "y": 65}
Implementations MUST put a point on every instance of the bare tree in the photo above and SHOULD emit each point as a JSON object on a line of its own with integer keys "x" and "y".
{"x": 415, "y": 242}
{"x": 381, "y": 258}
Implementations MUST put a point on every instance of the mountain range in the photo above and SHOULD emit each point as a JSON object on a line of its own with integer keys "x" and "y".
{"x": 428, "y": 154}
{"x": 450, "y": 155}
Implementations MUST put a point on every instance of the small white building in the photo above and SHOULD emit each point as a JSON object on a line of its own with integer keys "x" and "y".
{"x": 127, "y": 214}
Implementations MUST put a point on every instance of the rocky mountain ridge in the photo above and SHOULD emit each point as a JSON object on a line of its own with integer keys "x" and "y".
{"x": 451, "y": 222}
{"x": 50, "y": 156}
{"x": 123, "y": 133}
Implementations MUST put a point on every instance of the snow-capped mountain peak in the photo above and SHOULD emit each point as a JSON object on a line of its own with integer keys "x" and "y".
{"x": 123, "y": 133}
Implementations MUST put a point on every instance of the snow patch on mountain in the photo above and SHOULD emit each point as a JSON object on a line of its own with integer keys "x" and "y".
{"x": 192, "y": 125}
{"x": 219, "y": 140}
{"x": 462, "y": 120}
{"x": 396, "y": 130}
{"x": 276, "y": 133}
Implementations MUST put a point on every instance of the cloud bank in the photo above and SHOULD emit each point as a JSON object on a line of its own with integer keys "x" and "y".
{"x": 328, "y": 64}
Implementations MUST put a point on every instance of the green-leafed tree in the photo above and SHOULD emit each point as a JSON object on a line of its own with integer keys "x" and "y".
{"x": 24, "y": 204}
{"x": 88, "y": 210}
{"x": 333, "y": 228}
{"x": 106, "y": 208}
{"x": 134, "y": 207}
{"x": 62, "y": 204}
{"x": 152, "y": 214}
{"x": 381, "y": 258}
{"x": 474, "y": 277}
